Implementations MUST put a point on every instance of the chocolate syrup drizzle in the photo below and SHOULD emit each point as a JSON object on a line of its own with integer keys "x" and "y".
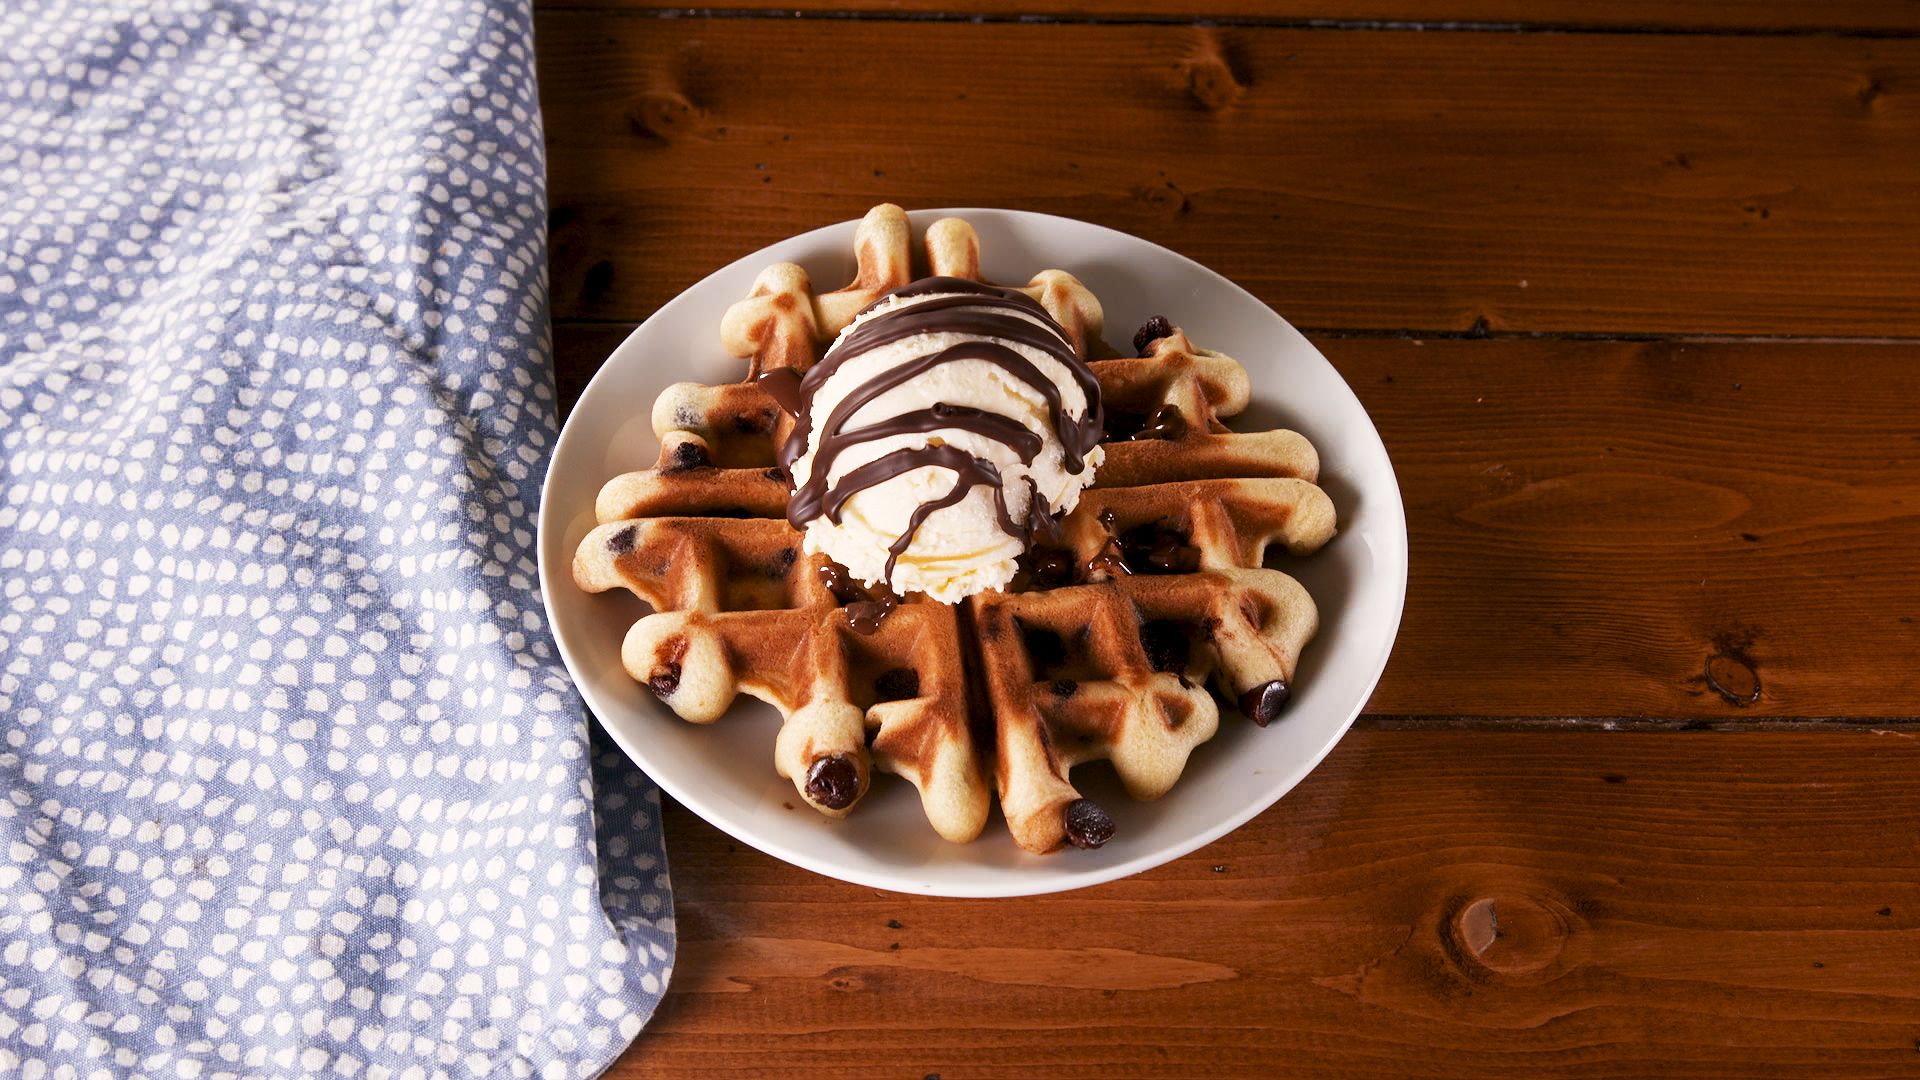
{"x": 975, "y": 309}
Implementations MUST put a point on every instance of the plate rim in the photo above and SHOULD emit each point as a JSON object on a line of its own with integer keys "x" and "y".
{"x": 993, "y": 885}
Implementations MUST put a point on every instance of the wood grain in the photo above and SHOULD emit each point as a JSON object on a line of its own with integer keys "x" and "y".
{"x": 1441, "y": 903}
{"x": 1526, "y": 182}
{"x": 1598, "y": 526}
{"x": 1785, "y": 16}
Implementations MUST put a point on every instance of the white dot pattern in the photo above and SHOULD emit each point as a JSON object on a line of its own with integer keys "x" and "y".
{"x": 291, "y": 780}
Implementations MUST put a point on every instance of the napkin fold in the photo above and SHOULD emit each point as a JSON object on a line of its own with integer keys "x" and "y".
{"x": 292, "y": 782}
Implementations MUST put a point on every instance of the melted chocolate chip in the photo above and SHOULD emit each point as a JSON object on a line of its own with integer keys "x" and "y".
{"x": 1155, "y": 549}
{"x": 865, "y": 616}
{"x": 760, "y": 423}
{"x": 666, "y": 661}
{"x": 1123, "y": 426}
{"x": 897, "y": 685}
{"x": 1111, "y": 558}
{"x": 833, "y": 782}
{"x": 841, "y": 584}
{"x": 1165, "y": 423}
{"x": 664, "y": 684}
{"x": 1064, "y": 687}
{"x": 688, "y": 455}
{"x": 1263, "y": 703}
{"x": 866, "y": 608}
{"x": 783, "y": 562}
{"x": 1051, "y": 567}
{"x": 783, "y": 386}
{"x": 1167, "y": 646}
{"x": 1151, "y": 331}
{"x": 777, "y": 474}
{"x": 1045, "y": 649}
{"x": 1087, "y": 825}
{"x": 622, "y": 542}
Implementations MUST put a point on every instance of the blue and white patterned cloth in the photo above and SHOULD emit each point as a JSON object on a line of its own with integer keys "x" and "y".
{"x": 292, "y": 782}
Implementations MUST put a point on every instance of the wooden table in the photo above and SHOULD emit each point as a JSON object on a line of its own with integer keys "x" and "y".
{"x": 1632, "y": 290}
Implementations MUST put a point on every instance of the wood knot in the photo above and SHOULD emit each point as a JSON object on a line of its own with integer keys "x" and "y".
{"x": 597, "y": 283}
{"x": 1210, "y": 78}
{"x": 1510, "y": 935}
{"x": 1500, "y": 480}
{"x": 1731, "y": 671}
{"x": 666, "y": 115}
{"x": 1734, "y": 679}
{"x": 1870, "y": 90}
{"x": 1165, "y": 197}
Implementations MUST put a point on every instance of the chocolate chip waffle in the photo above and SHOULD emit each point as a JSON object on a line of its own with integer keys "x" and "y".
{"x": 1122, "y": 640}
{"x": 862, "y": 681}
{"x": 737, "y": 609}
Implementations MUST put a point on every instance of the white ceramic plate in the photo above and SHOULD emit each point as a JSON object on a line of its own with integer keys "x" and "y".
{"x": 724, "y": 771}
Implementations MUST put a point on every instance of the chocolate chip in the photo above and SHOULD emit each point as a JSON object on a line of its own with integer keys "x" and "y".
{"x": 1087, "y": 825}
{"x": 665, "y": 683}
{"x": 1151, "y": 331}
{"x": 1263, "y": 703}
{"x": 1122, "y": 426}
{"x": 865, "y": 616}
{"x": 1156, "y": 549}
{"x": 1044, "y": 648}
{"x": 622, "y": 542}
{"x": 1051, "y": 567}
{"x": 1110, "y": 563}
{"x": 897, "y": 685}
{"x": 777, "y": 474}
{"x": 783, "y": 561}
{"x": 841, "y": 583}
{"x": 1165, "y": 423}
{"x": 1065, "y": 687}
{"x": 833, "y": 782}
{"x": 1166, "y": 644}
{"x": 754, "y": 423}
{"x": 688, "y": 455}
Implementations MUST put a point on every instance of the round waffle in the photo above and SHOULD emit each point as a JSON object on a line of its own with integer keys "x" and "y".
{"x": 1126, "y": 640}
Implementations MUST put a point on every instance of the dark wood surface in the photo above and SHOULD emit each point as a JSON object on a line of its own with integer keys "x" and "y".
{"x": 1428, "y": 903}
{"x": 1637, "y": 794}
{"x": 1612, "y": 183}
{"x": 1775, "y": 16}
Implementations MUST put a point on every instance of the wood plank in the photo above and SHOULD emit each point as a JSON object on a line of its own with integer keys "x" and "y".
{"x": 1596, "y": 526}
{"x": 1540, "y": 182}
{"x": 1442, "y": 903}
{"x": 1770, "y": 15}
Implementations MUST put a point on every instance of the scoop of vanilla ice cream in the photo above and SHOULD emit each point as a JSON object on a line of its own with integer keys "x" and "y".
{"x": 961, "y": 549}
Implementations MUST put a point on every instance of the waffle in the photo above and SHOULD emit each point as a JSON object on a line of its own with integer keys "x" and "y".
{"x": 738, "y": 609}
{"x": 1122, "y": 670}
{"x": 1122, "y": 641}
